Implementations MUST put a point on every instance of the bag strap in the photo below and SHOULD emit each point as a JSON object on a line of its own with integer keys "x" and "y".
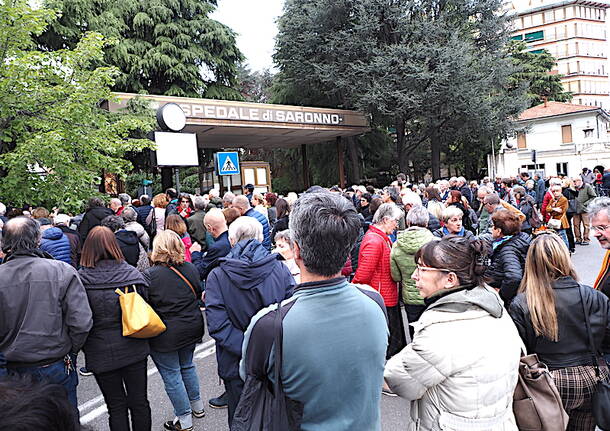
{"x": 594, "y": 352}
{"x": 184, "y": 278}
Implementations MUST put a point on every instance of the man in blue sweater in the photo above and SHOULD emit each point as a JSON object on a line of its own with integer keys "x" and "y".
{"x": 242, "y": 204}
{"x": 335, "y": 334}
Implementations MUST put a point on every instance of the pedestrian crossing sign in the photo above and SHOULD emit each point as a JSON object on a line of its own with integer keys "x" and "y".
{"x": 228, "y": 163}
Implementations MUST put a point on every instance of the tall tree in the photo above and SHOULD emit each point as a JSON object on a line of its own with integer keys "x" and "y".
{"x": 535, "y": 69}
{"x": 254, "y": 86}
{"x": 169, "y": 47}
{"x": 55, "y": 138}
{"x": 437, "y": 71}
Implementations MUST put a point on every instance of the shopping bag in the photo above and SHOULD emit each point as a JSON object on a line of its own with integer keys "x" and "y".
{"x": 139, "y": 319}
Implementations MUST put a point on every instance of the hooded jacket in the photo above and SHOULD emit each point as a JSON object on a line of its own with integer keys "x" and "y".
{"x": 248, "y": 279}
{"x": 402, "y": 264}
{"x": 106, "y": 349}
{"x": 75, "y": 244}
{"x": 460, "y": 371}
{"x": 57, "y": 244}
{"x": 507, "y": 264}
{"x": 92, "y": 217}
{"x": 129, "y": 245}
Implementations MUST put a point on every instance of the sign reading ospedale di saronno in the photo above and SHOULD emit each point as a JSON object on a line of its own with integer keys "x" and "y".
{"x": 223, "y": 112}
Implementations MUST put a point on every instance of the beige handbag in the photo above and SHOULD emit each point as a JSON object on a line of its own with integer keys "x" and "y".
{"x": 536, "y": 403}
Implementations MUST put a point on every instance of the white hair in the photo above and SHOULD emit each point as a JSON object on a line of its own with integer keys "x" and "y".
{"x": 411, "y": 198}
{"x": 244, "y": 228}
{"x": 214, "y": 193}
{"x": 387, "y": 211}
{"x": 61, "y": 219}
{"x": 200, "y": 203}
{"x": 555, "y": 182}
{"x": 2, "y": 209}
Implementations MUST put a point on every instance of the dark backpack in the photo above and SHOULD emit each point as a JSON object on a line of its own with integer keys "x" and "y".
{"x": 263, "y": 405}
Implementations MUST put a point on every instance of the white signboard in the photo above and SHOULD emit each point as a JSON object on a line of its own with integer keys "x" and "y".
{"x": 176, "y": 149}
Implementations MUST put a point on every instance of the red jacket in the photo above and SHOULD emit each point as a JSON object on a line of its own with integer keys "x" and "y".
{"x": 548, "y": 196}
{"x": 374, "y": 265}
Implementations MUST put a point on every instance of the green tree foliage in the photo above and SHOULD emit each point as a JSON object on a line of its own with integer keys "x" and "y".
{"x": 169, "y": 47}
{"x": 535, "y": 71}
{"x": 55, "y": 137}
{"x": 436, "y": 71}
{"x": 254, "y": 86}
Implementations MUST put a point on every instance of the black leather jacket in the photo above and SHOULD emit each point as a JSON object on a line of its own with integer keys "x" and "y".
{"x": 572, "y": 349}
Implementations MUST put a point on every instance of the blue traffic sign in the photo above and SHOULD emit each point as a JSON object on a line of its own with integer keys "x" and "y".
{"x": 228, "y": 163}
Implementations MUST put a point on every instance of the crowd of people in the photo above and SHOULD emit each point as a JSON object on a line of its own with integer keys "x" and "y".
{"x": 431, "y": 292}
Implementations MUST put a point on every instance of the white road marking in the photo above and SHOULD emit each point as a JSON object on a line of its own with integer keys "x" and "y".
{"x": 202, "y": 351}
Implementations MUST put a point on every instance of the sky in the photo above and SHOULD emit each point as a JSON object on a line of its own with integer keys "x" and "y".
{"x": 254, "y": 23}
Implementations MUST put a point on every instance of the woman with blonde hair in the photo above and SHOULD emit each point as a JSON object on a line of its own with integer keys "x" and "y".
{"x": 549, "y": 313}
{"x": 174, "y": 294}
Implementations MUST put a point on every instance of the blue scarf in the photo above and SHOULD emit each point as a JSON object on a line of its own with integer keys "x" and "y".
{"x": 500, "y": 241}
{"x": 460, "y": 233}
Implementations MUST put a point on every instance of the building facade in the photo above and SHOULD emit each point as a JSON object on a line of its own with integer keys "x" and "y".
{"x": 575, "y": 33}
{"x": 555, "y": 138}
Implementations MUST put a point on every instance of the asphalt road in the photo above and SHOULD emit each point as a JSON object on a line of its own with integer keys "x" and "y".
{"x": 394, "y": 410}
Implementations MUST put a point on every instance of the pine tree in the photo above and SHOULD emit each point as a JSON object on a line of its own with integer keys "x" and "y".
{"x": 169, "y": 47}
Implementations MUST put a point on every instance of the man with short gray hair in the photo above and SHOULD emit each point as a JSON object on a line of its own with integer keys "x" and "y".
{"x": 196, "y": 228}
{"x": 248, "y": 279}
{"x": 333, "y": 333}
{"x": 242, "y": 204}
{"x": 227, "y": 200}
{"x": 599, "y": 212}
{"x": 45, "y": 315}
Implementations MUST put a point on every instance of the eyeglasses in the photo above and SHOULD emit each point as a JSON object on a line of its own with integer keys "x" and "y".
{"x": 600, "y": 228}
{"x": 419, "y": 268}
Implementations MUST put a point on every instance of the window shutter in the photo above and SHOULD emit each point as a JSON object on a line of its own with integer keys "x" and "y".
{"x": 566, "y": 134}
{"x": 521, "y": 140}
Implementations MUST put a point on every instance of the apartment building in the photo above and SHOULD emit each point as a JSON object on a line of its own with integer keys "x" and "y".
{"x": 575, "y": 33}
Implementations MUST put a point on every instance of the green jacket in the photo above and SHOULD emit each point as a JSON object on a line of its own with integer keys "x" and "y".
{"x": 585, "y": 195}
{"x": 402, "y": 263}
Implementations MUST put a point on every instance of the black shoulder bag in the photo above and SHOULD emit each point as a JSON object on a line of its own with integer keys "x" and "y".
{"x": 601, "y": 396}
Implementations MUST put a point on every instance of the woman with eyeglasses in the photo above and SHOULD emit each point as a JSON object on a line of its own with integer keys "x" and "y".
{"x": 549, "y": 312}
{"x": 374, "y": 269}
{"x": 460, "y": 371}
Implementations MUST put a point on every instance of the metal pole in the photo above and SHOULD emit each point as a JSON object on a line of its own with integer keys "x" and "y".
{"x": 340, "y": 162}
{"x": 177, "y": 179}
{"x": 493, "y": 159}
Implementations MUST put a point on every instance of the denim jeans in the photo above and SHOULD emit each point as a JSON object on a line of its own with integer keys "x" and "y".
{"x": 564, "y": 236}
{"x": 54, "y": 373}
{"x": 180, "y": 379}
{"x": 126, "y": 389}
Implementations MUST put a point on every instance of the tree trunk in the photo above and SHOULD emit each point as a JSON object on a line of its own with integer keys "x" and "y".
{"x": 354, "y": 173}
{"x": 435, "y": 146}
{"x": 400, "y": 145}
{"x": 167, "y": 180}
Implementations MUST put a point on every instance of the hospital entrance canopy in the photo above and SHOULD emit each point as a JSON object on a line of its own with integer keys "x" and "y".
{"x": 230, "y": 124}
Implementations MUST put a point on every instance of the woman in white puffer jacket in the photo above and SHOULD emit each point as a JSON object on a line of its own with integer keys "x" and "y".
{"x": 460, "y": 371}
